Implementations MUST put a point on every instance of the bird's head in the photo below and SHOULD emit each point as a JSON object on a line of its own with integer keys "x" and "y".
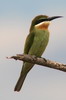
{"x": 42, "y": 21}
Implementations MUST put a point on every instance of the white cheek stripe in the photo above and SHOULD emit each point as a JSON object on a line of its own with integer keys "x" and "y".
{"x": 45, "y": 22}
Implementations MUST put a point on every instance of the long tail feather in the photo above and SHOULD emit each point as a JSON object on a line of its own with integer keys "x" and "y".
{"x": 25, "y": 69}
{"x": 20, "y": 82}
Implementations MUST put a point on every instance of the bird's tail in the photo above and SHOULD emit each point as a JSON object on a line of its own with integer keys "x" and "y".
{"x": 20, "y": 82}
{"x": 25, "y": 69}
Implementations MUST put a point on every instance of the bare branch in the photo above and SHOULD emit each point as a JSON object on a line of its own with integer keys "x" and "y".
{"x": 40, "y": 61}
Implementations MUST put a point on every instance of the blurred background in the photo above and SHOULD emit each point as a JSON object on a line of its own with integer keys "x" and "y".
{"x": 15, "y": 19}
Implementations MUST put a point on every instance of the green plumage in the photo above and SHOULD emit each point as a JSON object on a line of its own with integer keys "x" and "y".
{"x": 35, "y": 44}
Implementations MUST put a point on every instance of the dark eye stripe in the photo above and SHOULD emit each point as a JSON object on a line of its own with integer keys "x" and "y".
{"x": 41, "y": 20}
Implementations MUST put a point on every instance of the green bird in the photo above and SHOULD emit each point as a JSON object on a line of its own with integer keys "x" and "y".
{"x": 35, "y": 44}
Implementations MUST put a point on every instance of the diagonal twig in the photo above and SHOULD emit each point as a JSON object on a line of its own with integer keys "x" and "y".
{"x": 40, "y": 61}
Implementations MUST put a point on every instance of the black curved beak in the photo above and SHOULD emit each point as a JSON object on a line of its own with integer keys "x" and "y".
{"x": 54, "y": 17}
{"x": 48, "y": 19}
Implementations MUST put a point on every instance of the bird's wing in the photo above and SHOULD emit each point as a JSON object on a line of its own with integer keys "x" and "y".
{"x": 28, "y": 43}
{"x": 26, "y": 66}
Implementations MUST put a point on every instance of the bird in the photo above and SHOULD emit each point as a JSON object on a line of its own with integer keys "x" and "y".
{"x": 35, "y": 44}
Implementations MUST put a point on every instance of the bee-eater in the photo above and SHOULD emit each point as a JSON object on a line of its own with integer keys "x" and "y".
{"x": 35, "y": 44}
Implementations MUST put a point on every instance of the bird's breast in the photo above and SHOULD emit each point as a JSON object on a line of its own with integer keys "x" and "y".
{"x": 40, "y": 42}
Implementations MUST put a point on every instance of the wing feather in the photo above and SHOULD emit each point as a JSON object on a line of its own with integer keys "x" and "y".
{"x": 28, "y": 42}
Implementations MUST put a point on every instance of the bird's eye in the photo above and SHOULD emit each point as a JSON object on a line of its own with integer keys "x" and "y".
{"x": 40, "y": 20}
